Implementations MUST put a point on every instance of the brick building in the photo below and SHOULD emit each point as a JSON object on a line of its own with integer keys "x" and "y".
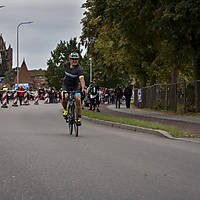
{"x": 35, "y": 78}
{"x": 39, "y": 78}
{"x": 6, "y": 55}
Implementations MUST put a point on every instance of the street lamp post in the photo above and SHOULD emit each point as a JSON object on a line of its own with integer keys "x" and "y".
{"x": 1, "y": 60}
{"x": 18, "y": 48}
{"x": 90, "y": 69}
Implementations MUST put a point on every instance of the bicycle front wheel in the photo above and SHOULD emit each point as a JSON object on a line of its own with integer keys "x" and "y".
{"x": 75, "y": 124}
{"x": 70, "y": 117}
{"x": 70, "y": 128}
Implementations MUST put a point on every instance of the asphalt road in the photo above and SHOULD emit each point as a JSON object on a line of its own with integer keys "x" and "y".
{"x": 40, "y": 161}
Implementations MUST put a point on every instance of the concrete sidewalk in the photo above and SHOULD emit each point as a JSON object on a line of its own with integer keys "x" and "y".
{"x": 158, "y": 115}
{"x": 191, "y": 124}
{"x": 186, "y": 123}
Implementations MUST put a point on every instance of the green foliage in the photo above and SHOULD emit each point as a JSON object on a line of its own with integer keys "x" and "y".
{"x": 3, "y": 64}
{"x": 85, "y": 63}
{"x": 9, "y": 77}
{"x": 55, "y": 71}
{"x": 149, "y": 40}
{"x": 174, "y": 131}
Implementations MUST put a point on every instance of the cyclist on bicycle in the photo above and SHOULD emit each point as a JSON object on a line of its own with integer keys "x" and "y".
{"x": 73, "y": 74}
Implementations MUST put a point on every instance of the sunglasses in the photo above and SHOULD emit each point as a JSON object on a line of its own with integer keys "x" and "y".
{"x": 74, "y": 59}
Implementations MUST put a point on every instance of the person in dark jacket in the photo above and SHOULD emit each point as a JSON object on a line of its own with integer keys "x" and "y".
{"x": 51, "y": 95}
{"x": 94, "y": 95}
{"x": 118, "y": 96}
{"x": 128, "y": 94}
{"x": 21, "y": 94}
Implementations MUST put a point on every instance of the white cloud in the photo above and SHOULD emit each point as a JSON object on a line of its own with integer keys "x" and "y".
{"x": 53, "y": 21}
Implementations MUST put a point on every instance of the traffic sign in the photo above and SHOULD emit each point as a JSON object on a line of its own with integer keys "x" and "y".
{"x": 25, "y": 85}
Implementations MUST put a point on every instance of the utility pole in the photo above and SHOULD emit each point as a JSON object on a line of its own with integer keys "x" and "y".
{"x": 90, "y": 69}
{"x": 18, "y": 48}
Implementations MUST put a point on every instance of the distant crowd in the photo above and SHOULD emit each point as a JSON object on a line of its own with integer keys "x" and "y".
{"x": 53, "y": 95}
{"x": 92, "y": 96}
{"x": 96, "y": 95}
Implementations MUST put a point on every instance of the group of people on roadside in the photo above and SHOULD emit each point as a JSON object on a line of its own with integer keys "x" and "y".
{"x": 126, "y": 94}
{"x": 97, "y": 95}
{"x": 9, "y": 94}
{"x": 115, "y": 96}
{"x": 53, "y": 95}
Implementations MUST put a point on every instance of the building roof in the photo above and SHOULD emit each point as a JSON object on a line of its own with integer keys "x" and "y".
{"x": 24, "y": 76}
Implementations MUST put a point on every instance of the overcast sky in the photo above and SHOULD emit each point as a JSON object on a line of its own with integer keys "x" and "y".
{"x": 54, "y": 20}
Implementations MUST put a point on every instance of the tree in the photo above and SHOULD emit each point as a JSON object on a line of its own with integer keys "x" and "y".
{"x": 3, "y": 63}
{"x": 9, "y": 76}
{"x": 181, "y": 18}
{"x": 85, "y": 63}
{"x": 103, "y": 45}
{"x": 55, "y": 71}
{"x": 152, "y": 40}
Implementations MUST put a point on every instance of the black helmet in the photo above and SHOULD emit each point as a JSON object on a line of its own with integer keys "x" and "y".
{"x": 74, "y": 55}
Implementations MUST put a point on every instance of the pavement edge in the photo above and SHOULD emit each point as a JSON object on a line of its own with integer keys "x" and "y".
{"x": 160, "y": 133}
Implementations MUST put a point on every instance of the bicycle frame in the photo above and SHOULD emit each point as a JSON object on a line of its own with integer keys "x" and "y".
{"x": 72, "y": 115}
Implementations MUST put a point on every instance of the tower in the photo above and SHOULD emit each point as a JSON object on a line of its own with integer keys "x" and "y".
{"x": 5, "y": 57}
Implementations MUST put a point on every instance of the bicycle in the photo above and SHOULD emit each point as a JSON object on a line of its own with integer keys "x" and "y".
{"x": 72, "y": 115}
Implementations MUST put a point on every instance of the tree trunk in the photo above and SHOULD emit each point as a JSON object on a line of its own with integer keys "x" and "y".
{"x": 175, "y": 75}
{"x": 173, "y": 91}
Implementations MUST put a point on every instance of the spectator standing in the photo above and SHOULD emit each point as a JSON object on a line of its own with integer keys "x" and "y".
{"x": 118, "y": 96}
{"x": 88, "y": 93}
{"x": 100, "y": 96}
{"x": 103, "y": 95}
{"x": 112, "y": 96}
{"x": 21, "y": 94}
{"x": 107, "y": 95}
{"x": 128, "y": 94}
{"x": 94, "y": 95}
{"x": 51, "y": 95}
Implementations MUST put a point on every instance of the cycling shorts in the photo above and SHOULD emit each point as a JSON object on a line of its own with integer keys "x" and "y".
{"x": 78, "y": 94}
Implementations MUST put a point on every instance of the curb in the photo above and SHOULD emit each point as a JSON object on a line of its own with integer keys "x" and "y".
{"x": 160, "y": 133}
{"x": 157, "y": 115}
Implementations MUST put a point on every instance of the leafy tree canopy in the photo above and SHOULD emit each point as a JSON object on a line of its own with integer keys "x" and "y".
{"x": 55, "y": 71}
{"x": 150, "y": 40}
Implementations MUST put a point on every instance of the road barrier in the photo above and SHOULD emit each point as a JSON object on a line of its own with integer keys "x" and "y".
{"x": 26, "y": 98}
{"x": 46, "y": 98}
{"x": 36, "y": 98}
{"x": 13, "y": 96}
{"x": 15, "y": 99}
{"x": 4, "y": 100}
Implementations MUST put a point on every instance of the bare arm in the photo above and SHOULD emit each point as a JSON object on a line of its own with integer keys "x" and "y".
{"x": 82, "y": 81}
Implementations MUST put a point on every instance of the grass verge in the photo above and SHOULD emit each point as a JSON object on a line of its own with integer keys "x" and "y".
{"x": 174, "y": 131}
{"x": 168, "y": 112}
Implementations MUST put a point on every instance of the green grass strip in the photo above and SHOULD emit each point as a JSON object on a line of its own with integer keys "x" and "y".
{"x": 174, "y": 131}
